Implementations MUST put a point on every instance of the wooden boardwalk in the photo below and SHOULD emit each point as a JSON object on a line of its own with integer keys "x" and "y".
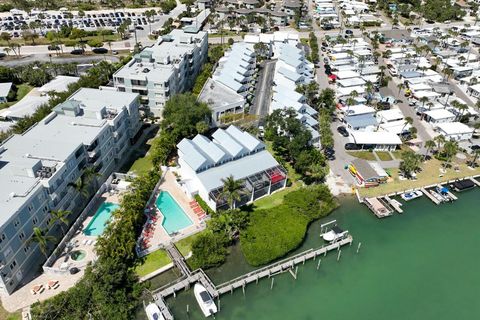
{"x": 189, "y": 278}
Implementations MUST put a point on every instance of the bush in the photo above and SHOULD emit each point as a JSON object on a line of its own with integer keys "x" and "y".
{"x": 208, "y": 250}
{"x": 203, "y": 205}
{"x": 95, "y": 43}
{"x": 274, "y": 232}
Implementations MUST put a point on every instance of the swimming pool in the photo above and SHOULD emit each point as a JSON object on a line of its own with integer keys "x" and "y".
{"x": 175, "y": 218}
{"x": 100, "y": 219}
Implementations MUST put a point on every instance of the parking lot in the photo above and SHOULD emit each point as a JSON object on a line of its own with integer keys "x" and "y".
{"x": 44, "y": 22}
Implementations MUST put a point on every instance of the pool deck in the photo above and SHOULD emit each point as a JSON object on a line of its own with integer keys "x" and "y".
{"x": 22, "y": 297}
{"x": 160, "y": 236}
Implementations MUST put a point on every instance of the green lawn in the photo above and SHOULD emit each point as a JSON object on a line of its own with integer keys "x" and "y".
{"x": 277, "y": 198}
{"x": 22, "y": 90}
{"x": 5, "y": 315}
{"x": 153, "y": 261}
{"x": 142, "y": 165}
{"x": 366, "y": 155}
{"x": 384, "y": 156}
{"x": 429, "y": 175}
{"x": 185, "y": 245}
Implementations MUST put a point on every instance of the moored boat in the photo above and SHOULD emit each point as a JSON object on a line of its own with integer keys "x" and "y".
{"x": 462, "y": 185}
{"x": 334, "y": 234}
{"x": 205, "y": 300}
{"x": 407, "y": 196}
{"x": 153, "y": 312}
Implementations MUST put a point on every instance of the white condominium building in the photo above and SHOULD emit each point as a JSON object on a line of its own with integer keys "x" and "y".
{"x": 92, "y": 129}
{"x": 169, "y": 67}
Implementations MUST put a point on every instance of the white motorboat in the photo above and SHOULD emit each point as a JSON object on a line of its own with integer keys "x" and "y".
{"x": 437, "y": 196}
{"x": 334, "y": 234}
{"x": 407, "y": 196}
{"x": 153, "y": 312}
{"x": 205, "y": 300}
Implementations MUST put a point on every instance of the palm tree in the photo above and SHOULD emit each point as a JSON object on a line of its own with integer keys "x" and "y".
{"x": 429, "y": 144}
{"x": 440, "y": 140}
{"x": 476, "y": 154}
{"x": 408, "y": 121}
{"x": 423, "y": 100}
{"x": 400, "y": 86}
{"x": 231, "y": 190}
{"x": 82, "y": 184}
{"x": 42, "y": 238}
{"x": 61, "y": 216}
{"x": 7, "y": 51}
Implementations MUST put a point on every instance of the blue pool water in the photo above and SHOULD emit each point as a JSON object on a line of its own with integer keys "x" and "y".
{"x": 100, "y": 219}
{"x": 175, "y": 218}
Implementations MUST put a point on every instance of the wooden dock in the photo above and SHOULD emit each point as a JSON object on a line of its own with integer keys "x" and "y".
{"x": 394, "y": 204}
{"x": 378, "y": 207}
{"x": 429, "y": 196}
{"x": 189, "y": 278}
{"x": 475, "y": 181}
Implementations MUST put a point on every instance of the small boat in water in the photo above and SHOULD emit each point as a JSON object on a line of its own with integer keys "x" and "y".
{"x": 437, "y": 196}
{"x": 334, "y": 234}
{"x": 407, "y": 196}
{"x": 205, "y": 300}
{"x": 462, "y": 185}
{"x": 443, "y": 192}
{"x": 153, "y": 312}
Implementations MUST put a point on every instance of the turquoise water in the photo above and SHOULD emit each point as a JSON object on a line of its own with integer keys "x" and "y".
{"x": 100, "y": 219}
{"x": 422, "y": 264}
{"x": 175, "y": 218}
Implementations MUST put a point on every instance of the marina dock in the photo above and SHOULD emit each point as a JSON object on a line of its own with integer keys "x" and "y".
{"x": 429, "y": 196}
{"x": 378, "y": 206}
{"x": 475, "y": 181}
{"x": 188, "y": 277}
{"x": 394, "y": 204}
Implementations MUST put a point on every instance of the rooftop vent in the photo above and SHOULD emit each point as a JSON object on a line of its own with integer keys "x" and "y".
{"x": 146, "y": 70}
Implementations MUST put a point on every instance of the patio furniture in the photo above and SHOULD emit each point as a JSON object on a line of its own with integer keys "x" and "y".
{"x": 37, "y": 289}
{"x": 53, "y": 284}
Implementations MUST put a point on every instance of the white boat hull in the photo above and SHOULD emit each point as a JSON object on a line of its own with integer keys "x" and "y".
{"x": 153, "y": 312}
{"x": 204, "y": 300}
{"x": 407, "y": 196}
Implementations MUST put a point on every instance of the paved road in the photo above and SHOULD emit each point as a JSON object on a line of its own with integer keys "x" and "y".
{"x": 45, "y": 58}
{"x": 261, "y": 103}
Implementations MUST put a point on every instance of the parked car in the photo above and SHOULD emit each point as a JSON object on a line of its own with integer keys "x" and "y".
{"x": 100, "y": 50}
{"x": 139, "y": 28}
{"x": 351, "y": 146}
{"x": 349, "y": 32}
{"x": 53, "y": 47}
{"x": 77, "y": 51}
{"x": 343, "y": 131}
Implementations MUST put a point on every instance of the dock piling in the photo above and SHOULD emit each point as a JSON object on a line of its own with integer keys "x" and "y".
{"x": 358, "y": 248}
{"x": 271, "y": 285}
{"x": 188, "y": 308}
{"x": 339, "y": 254}
{"x": 318, "y": 264}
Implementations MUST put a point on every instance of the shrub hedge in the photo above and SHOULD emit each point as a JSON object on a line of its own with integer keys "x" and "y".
{"x": 274, "y": 232}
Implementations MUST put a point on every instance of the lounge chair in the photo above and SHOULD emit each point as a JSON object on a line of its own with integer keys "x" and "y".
{"x": 89, "y": 242}
{"x": 84, "y": 242}
{"x": 53, "y": 284}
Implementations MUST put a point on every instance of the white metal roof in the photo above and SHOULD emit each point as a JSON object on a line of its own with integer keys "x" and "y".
{"x": 450, "y": 128}
{"x": 438, "y": 114}
{"x": 381, "y": 137}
